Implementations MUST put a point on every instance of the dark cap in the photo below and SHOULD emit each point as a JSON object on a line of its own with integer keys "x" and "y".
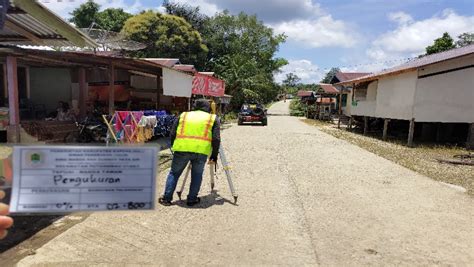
{"x": 202, "y": 104}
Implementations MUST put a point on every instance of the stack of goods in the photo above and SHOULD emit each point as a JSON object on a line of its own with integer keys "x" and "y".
{"x": 164, "y": 122}
{"x": 146, "y": 127}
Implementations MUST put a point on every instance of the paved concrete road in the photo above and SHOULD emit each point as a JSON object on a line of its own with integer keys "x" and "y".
{"x": 306, "y": 198}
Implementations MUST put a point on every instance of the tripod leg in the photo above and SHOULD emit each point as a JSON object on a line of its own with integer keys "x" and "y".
{"x": 211, "y": 168}
{"x": 228, "y": 173}
{"x": 188, "y": 170}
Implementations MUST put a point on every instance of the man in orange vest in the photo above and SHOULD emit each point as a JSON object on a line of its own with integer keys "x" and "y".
{"x": 194, "y": 138}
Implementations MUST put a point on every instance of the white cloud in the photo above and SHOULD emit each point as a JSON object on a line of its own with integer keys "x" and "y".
{"x": 303, "y": 68}
{"x": 65, "y": 7}
{"x": 205, "y": 6}
{"x": 401, "y": 17}
{"x": 317, "y": 32}
{"x": 303, "y": 21}
{"x": 411, "y": 37}
{"x": 270, "y": 11}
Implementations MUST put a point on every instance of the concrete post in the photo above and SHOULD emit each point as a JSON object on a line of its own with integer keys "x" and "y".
{"x": 13, "y": 101}
{"x": 411, "y": 133}
{"x": 385, "y": 129}
{"x": 351, "y": 121}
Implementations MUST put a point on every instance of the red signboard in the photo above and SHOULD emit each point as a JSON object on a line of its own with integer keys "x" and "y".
{"x": 208, "y": 85}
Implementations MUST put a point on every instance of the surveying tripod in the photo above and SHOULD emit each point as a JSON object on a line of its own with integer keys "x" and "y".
{"x": 212, "y": 167}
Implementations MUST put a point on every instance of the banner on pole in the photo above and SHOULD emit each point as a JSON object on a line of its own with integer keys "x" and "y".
{"x": 208, "y": 85}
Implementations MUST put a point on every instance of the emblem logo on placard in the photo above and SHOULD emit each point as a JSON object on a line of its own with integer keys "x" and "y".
{"x": 35, "y": 158}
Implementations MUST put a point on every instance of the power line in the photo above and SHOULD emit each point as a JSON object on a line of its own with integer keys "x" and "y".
{"x": 386, "y": 62}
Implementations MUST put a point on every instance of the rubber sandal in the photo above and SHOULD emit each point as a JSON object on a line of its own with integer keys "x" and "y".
{"x": 190, "y": 204}
{"x": 164, "y": 202}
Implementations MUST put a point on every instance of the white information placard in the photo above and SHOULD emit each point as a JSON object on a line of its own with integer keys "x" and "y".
{"x": 63, "y": 179}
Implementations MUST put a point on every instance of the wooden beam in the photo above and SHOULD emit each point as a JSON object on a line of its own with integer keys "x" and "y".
{"x": 351, "y": 122}
{"x": 366, "y": 125}
{"x": 470, "y": 137}
{"x": 14, "y": 39}
{"x": 340, "y": 109}
{"x": 111, "y": 89}
{"x": 28, "y": 82}
{"x": 439, "y": 126}
{"x": 158, "y": 80}
{"x": 83, "y": 91}
{"x": 13, "y": 101}
{"x": 385, "y": 129}
{"x": 51, "y": 61}
{"x": 160, "y": 89}
{"x": 5, "y": 83}
{"x": 18, "y": 29}
{"x": 411, "y": 133}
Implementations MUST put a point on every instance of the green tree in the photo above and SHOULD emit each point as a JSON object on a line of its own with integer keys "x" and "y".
{"x": 330, "y": 75}
{"x": 112, "y": 19}
{"x": 465, "y": 39}
{"x": 85, "y": 14}
{"x": 191, "y": 14}
{"x": 290, "y": 83}
{"x": 291, "y": 80}
{"x": 241, "y": 51}
{"x": 441, "y": 44}
{"x": 166, "y": 36}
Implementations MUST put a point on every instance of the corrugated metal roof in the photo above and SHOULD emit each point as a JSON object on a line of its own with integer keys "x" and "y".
{"x": 329, "y": 88}
{"x": 30, "y": 24}
{"x": 33, "y": 25}
{"x": 345, "y": 76}
{"x": 168, "y": 62}
{"x": 304, "y": 93}
{"x": 186, "y": 68}
{"x": 416, "y": 63}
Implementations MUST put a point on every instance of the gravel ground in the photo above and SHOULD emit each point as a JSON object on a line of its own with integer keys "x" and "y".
{"x": 423, "y": 158}
{"x": 305, "y": 198}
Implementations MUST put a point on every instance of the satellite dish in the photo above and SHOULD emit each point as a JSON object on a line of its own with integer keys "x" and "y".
{"x": 110, "y": 40}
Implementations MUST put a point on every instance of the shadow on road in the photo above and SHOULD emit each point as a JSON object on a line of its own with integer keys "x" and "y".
{"x": 251, "y": 124}
{"x": 278, "y": 114}
{"x": 24, "y": 228}
{"x": 207, "y": 201}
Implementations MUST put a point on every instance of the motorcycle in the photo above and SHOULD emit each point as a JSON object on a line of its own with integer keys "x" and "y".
{"x": 90, "y": 130}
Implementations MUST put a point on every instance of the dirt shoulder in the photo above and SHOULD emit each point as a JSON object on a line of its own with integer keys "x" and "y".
{"x": 422, "y": 158}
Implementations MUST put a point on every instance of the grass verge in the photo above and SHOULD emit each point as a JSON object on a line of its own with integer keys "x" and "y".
{"x": 422, "y": 158}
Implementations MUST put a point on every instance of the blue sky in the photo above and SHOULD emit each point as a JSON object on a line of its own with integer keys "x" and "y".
{"x": 362, "y": 35}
